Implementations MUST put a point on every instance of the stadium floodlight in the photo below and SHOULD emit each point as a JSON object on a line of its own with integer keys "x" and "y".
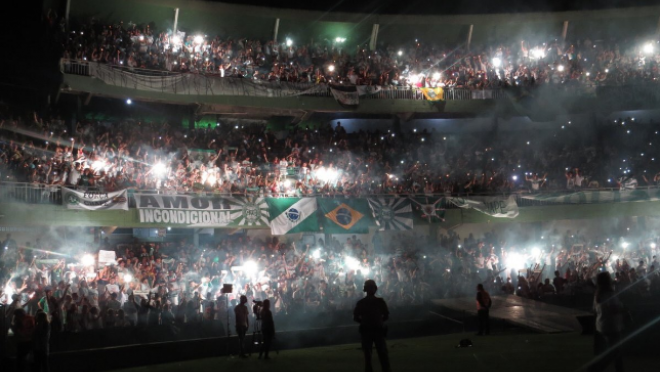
{"x": 560, "y": 68}
{"x": 340, "y": 39}
{"x": 648, "y": 48}
{"x": 331, "y": 68}
{"x": 198, "y": 39}
{"x": 436, "y": 75}
{"x": 317, "y": 254}
{"x": 159, "y": 169}
{"x": 653, "y": 245}
{"x": 129, "y": 101}
{"x": 128, "y": 278}
{"x": 625, "y": 245}
{"x": 497, "y": 62}
{"x": 536, "y": 251}
{"x": 289, "y": 42}
{"x": 87, "y": 260}
{"x": 400, "y": 53}
{"x": 176, "y": 40}
{"x": 515, "y": 178}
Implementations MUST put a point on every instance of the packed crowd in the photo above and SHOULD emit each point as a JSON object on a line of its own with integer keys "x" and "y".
{"x": 420, "y": 63}
{"x": 242, "y": 158}
{"x": 177, "y": 282}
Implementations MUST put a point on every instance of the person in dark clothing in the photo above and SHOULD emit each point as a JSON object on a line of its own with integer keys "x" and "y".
{"x": 483, "y": 309}
{"x": 23, "y": 328}
{"x": 372, "y": 313}
{"x": 267, "y": 328}
{"x": 41, "y": 343}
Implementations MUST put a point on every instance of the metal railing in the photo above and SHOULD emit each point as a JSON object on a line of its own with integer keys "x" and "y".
{"x": 32, "y": 193}
{"x": 204, "y": 83}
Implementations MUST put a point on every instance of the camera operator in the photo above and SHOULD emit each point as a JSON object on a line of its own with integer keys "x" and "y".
{"x": 241, "y": 313}
{"x": 371, "y": 312}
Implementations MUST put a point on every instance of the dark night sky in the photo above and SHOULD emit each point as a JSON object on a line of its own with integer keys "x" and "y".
{"x": 444, "y": 7}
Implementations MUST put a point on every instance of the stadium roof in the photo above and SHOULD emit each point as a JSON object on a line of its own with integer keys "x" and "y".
{"x": 444, "y": 7}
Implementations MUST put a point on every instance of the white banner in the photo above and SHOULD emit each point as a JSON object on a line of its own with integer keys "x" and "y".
{"x": 197, "y": 84}
{"x": 592, "y": 197}
{"x": 95, "y": 200}
{"x": 493, "y": 206}
{"x": 348, "y": 98}
{"x": 107, "y": 257}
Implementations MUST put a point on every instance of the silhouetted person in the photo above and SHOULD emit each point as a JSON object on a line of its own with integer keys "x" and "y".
{"x": 267, "y": 328}
{"x": 241, "y": 313}
{"x": 483, "y": 308}
{"x": 372, "y": 313}
{"x": 609, "y": 325}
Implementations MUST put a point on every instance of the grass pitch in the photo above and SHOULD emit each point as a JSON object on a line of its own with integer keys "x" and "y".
{"x": 506, "y": 352}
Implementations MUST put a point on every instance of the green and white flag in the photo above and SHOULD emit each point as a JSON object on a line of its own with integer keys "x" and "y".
{"x": 292, "y": 215}
{"x": 392, "y": 213}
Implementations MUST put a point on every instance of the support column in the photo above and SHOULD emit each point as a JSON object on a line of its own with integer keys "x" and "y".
{"x": 469, "y": 39}
{"x": 67, "y": 10}
{"x": 374, "y": 37}
{"x": 176, "y": 21}
{"x": 276, "y": 30}
{"x": 564, "y": 31}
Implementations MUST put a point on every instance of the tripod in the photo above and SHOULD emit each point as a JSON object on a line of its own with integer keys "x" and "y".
{"x": 228, "y": 331}
{"x": 257, "y": 338}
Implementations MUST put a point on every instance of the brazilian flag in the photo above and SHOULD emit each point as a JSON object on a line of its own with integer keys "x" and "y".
{"x": 345, "y": 216}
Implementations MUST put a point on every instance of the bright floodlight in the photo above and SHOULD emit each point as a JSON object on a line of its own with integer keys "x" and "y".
{"x": 199, "y": 39}
{"x": 536, "y": 251}
{"x": 436, "y": 75}
{"x": 538, "y": 53}
{"x": 287, "y": 183}
{"x": 515, "y": 178}
{"x": 625, "y": 245}
{"x": 515, "y": 261}
{"x": 9, "y": 291}
{"x": 414, "y": 79}
{"x": 351, "y": 263}
{"x": 128, "y": 278}
{"x": 176, "y": 40}
{"x": 250, "y": 268}
{"x": 159, "y": 169}
{"x": 560, "y": 68}
{"x": 289, "y": 42}
{"x": 87, "y": 260}
{"x": 331, "y": 68}
{"x": 497, "y": 62}
{"x": 340, "y": 39}
{"x": 648, "y": 48}
{"x": 129, "y": 101}
{"x": 317, "y": 254}
{"x": 653, "y": 245}
{"x": 400, "y": 53}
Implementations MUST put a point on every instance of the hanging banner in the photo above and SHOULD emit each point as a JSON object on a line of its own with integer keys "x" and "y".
{"x": 95, "y": 200}
{"x": 592, "y": 197}
{"x": 203, "y": 211}
{"x": 346, "y": 95}
{"x": 493, "y": 206}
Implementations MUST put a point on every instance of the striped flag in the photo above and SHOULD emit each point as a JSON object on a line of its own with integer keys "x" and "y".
{"x": 292, "y": 215}
{"x": 392, "y": 213}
